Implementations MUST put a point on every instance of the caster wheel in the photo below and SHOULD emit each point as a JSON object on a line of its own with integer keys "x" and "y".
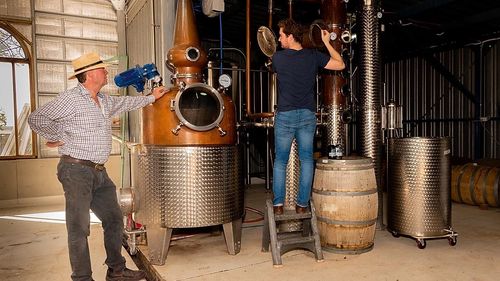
{"x": 421, "y": 243}
{"x": 452, "y": 241}
{"x": 395, "y": 234}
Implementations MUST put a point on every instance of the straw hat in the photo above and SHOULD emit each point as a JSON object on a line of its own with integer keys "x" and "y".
{"x": 86, "y": 62}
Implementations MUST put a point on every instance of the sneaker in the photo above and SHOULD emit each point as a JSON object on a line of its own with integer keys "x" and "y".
{"x": 125, "y": 275}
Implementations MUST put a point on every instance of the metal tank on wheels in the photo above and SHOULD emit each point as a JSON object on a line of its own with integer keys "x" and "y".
{"x": 419, "y": 201}
{"x": 187, "y": 169}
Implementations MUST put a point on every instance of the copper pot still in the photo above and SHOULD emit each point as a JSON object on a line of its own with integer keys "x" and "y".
{"x": 192, "y": 112}
{"x": 188, "y": 167}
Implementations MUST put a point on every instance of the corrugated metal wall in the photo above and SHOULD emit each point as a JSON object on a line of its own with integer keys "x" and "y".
{"x": 140, "y": 50}
{"x": 492, "y": 102}
{"x": 149, "y": 35}
{"x": 435, "y": 106}
{"x": 140, "y": 32}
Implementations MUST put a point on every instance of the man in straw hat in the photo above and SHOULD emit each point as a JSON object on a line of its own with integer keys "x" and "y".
{"x": 78, "y": 123}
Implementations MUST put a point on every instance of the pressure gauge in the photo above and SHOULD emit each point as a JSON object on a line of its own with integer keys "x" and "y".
{"x": 225, "y": 80}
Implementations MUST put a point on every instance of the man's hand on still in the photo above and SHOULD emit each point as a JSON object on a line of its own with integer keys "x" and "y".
{"x": 325, "y": 36}
{"x": 158, "y": 92}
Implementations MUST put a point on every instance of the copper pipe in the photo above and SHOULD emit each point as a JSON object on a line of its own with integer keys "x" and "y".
{"x": 270, "y": 14}
{"x": 247, "y": 70}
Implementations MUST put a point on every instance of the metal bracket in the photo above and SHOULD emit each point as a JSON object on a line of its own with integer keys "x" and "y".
{"x": 176, "y": 130}
{"x": 221, "y": 131}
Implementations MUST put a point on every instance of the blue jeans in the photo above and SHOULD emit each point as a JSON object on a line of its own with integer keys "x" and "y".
{"x": 86, "y": 188}
{"x": 301, "y": 125}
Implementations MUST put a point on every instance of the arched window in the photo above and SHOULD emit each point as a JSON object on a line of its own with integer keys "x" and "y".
{"x": 16, "y": 138}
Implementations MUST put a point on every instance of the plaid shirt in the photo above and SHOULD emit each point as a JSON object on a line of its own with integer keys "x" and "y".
{"x": 85, "y": 128}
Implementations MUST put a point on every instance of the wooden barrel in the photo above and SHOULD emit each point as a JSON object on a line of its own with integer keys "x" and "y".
{"x": 346, "y": 202}
{"x": 475, "y": 185}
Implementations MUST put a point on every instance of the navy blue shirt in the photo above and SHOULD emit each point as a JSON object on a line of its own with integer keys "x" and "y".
{"x": 296, "y": 72}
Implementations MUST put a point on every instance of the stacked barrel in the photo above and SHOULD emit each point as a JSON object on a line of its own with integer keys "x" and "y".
{"x": 475, "y": 184}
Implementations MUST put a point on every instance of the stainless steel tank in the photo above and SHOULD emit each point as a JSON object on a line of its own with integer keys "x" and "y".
{"x": 419, "y": 202}
{"x": 183, "y": 187}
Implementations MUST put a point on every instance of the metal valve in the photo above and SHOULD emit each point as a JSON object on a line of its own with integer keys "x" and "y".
{"x": 176, "y": 130}
{"x": 346, "y": 36}
{"x": 221, "y": 131}
{"x": 182, "y": 86}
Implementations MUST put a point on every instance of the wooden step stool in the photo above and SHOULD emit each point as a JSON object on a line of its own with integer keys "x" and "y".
{"x": 283, "y": 242}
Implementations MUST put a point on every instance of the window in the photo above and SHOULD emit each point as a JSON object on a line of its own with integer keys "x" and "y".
{"x": 16, "y": 138}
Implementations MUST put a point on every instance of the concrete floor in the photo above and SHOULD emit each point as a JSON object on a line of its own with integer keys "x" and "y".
{"x": 37, "y": 251}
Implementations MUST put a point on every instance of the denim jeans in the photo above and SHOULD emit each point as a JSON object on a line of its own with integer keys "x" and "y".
{"x": 301, "y": 125}
{"x": 86, "y": 188}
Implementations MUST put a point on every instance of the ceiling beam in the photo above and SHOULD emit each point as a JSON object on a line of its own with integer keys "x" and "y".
{"x": 474, "y": 19}
{"x": 423, "y": 7}
{"x": 443, "y": 70}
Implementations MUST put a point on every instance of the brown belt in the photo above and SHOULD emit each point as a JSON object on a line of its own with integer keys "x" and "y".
{"x": 67, "y": 158}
